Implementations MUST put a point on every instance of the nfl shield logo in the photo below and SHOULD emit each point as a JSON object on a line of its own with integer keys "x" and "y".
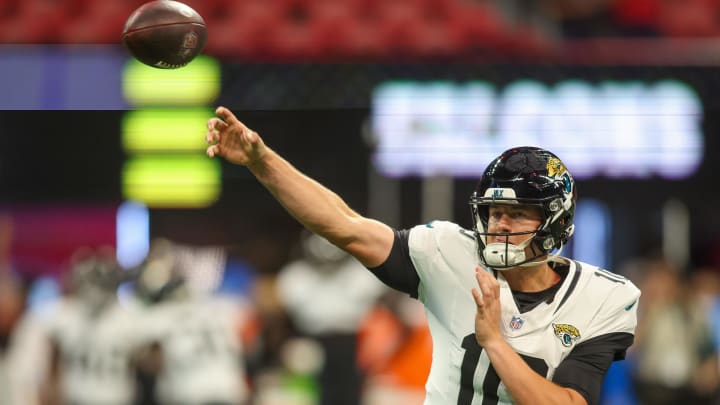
{"x": 516, "y": 323}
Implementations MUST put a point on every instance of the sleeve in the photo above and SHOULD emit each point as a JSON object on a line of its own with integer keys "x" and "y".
{"x": 618, "y": 312}
{"x": 584, "y": 369}
{"x": 398, "y": 271}
{"x": 611, "y": 332}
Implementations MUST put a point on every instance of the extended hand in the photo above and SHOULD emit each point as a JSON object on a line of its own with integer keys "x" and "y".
{"x": 487, "y": 300}
{"x": 232, "y": 140}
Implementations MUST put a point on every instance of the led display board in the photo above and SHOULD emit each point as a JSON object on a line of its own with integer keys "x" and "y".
{"x": 616, "y": 129}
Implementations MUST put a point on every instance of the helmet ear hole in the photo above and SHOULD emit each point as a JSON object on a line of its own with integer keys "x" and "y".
{"x": 548, "y": 243}
{"x": 555, "y": 205}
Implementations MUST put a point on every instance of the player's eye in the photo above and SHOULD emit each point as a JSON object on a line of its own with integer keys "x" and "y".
{"x": 495, "y": 214}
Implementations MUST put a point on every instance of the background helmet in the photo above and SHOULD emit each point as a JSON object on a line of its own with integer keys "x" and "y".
{"x": 161, "y": 276}
{"x": 95, "y": 276}
{"x": 320, "y": 251}
{"x": 529, "y": 176}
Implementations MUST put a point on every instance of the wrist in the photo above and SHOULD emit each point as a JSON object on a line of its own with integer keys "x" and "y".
{"x": 495, "y": 346}
{"x": 260, "y": 164}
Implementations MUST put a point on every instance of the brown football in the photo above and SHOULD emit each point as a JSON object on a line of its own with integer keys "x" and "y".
{"x": 165, "y": 34}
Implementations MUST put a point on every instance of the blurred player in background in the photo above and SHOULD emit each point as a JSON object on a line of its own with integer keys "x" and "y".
{"x": 511, "y": 320}
{"x": 395, "y": 350}
{"x": 675, "y": 356}
{"x": 193, "y": 354}
{"x": 22, "y": 345}
{"x": 328, "y": 294}
{"x": 92, "y": 336}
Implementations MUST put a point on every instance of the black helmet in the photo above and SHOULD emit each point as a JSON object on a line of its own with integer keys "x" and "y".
{"x": 530, "y": 176}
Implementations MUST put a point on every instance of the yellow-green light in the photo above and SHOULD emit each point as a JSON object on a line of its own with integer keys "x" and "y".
{"x": 165, "y": 130}
{"x": 194, "y": 84}
{"x": 191, "y": 181}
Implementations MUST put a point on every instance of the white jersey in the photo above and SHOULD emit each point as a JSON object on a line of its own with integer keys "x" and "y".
{"x": 23, "y": 364}
{"x": 95, "y": 353}
{"x": 201, "y": 348}
{"x": 589, "y": 303}
{"x": 320, "y": 301}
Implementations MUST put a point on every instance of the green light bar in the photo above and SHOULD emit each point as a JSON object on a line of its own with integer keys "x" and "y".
{"x": 172, "y": 181}
{"x": 194, "y": 84}
{"x": 161, "y": 130}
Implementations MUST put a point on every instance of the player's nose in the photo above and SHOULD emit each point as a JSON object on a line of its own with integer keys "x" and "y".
{"x": 502, "y": 224}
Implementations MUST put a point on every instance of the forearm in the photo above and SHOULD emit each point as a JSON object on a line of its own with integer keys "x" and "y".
{"x": 313, "y": 205}
{"x": 524, "y": 384}
{"x": 321, "y": 210}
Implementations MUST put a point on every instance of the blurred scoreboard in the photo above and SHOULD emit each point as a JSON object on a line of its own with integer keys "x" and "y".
{"x": 617, "y": 129}
{"x": 102, "y": 130}
{"x": 85, "y": 130}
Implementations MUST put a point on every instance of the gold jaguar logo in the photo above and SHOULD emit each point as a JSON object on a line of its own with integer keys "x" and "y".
{"x": 555, "y": 167}
{"x": 567, "y": 333}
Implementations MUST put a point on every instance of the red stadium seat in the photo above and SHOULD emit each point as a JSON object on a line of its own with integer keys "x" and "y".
{"x": 355, "y": 39}
{"x": 243, "y": 29}
{"x": 481, "y": 27}
{"x": 25, "y": 30}
{"x": 403, "y": 29}
{"x": 440, "y": 38}
{"x": 35, "y": 21}
{"x": 333, "y": 10}
{"x": 8, "y": 7}
{"x": 294, "y": 41}
{"x": 688, "y": 18}
{"x": 528, "y": 42}
{"x": 208, "y": 9}
{"x": 88, "y": 30}
{"x": 99, "y": 22}
{"x": 636, "y": 16}
{"x": 346, "y": 29}
{"x": 326, "y": 29}
{"x": 399, "y": 10}
{"x": 413, "y": 37}
{"x": 245, "y": 42}
{"x": 399, "y": 21}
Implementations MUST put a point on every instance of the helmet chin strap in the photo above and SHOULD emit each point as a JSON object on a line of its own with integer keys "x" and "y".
{"x": 504, "y": 253}
{"x": 549, "y": 258}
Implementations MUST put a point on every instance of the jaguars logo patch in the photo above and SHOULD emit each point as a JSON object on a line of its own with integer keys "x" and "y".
{"x": 555, "y": 167}
{"x": 556, "y": 170}
{"x": 567, "y": 334}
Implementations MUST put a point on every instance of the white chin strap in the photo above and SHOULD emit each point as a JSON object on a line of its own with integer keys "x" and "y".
{"x": 505, "y": 255}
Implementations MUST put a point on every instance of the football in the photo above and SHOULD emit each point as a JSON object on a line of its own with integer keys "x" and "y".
{"x": 165, "y": 34}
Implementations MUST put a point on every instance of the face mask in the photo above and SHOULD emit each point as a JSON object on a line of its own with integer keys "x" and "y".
{"x": 505, "y": 254}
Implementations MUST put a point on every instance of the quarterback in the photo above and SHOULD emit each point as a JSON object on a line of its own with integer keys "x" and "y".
{"x": 512, "y": 322}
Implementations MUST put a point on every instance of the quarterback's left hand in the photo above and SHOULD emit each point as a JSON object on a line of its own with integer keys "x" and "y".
{"x": 487, "y": 300}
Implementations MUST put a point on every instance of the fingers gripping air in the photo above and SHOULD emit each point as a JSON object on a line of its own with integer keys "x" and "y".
{"x": 232, "y": 140}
